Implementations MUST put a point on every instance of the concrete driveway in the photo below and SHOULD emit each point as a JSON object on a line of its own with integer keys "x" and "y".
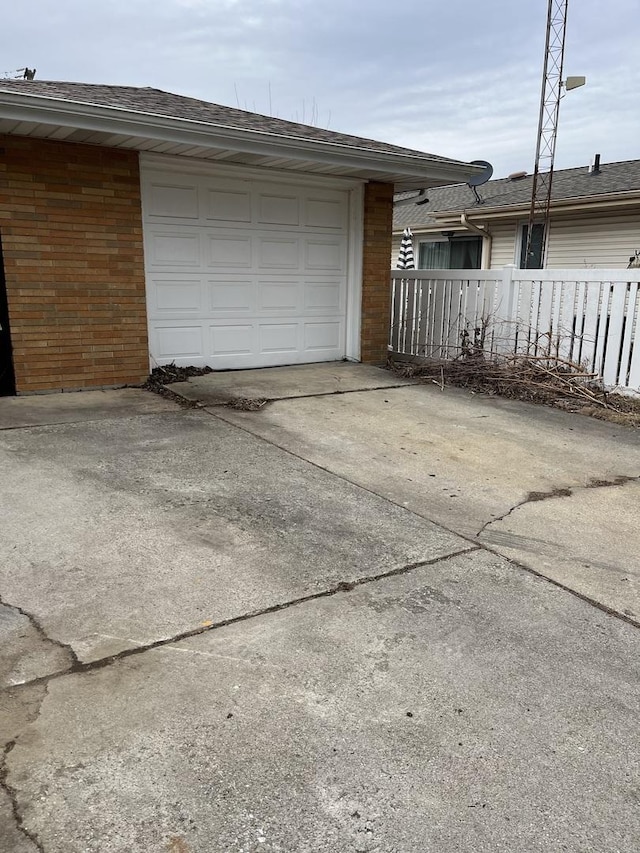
{"x": 296, "y": 628}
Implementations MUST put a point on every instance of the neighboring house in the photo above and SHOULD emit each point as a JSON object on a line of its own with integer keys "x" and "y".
{"x": 141, "y": 228}
{"x": 595, "y": 222}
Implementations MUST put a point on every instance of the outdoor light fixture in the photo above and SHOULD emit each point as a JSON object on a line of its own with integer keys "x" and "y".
{"x": 574, "y": 83}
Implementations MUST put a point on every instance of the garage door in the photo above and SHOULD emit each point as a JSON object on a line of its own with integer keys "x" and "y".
{"x": 244, "y": 273}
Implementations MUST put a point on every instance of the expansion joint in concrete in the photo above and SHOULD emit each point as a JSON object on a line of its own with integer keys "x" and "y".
{"x": 79, "y": 667}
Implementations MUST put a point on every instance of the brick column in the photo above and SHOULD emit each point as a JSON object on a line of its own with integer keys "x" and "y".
{"x": 376, "y": 283}
{"x": 71, "y": 224}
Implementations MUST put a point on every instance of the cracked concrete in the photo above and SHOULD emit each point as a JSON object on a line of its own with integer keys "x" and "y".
{"x": 23, "y": 837}
{"x": 279, "y": 383}
{"x": 467, "y": 461}
{"x": 588, "y": 542}
{"x": 29, "y": 652}
{"x": 558, "y": 492}
{"x": 19, "y": 708}
{"x": 47, "y": 409}
{"x": 271, "y": 657}
{"x": 460, "y": 706}
{"x": 140, "y": 516}
{"x": 77, "y": 666}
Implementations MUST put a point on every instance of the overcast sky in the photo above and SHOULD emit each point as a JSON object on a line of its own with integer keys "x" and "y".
{"x": 459, "y": 78}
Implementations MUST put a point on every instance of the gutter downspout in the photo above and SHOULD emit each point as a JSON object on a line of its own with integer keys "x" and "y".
{"x": 487, "y": 240}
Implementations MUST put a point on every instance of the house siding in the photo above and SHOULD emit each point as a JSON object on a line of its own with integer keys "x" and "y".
{"x": 376, "y": 286}
{"x": 71, "y": 227}
{"x": 597, "y": 242}
{"x": 503, "y": 244}
{"x": 605, "y": 242}
{"x": 601, "y": 241}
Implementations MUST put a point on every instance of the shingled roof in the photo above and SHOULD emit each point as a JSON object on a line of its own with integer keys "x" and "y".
{"x": 568, "y": 184}
{"x": 155, "y": 102}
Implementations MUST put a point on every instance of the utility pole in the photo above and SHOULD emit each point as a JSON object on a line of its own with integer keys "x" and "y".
{"x": 547, "y": 127}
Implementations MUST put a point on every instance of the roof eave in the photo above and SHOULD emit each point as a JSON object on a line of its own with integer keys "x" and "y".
{"x": 581, "y": 203}
{"x": 414, "y": 172}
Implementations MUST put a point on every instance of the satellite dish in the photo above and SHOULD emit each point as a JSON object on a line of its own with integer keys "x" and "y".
{"x": 484, "y": 176}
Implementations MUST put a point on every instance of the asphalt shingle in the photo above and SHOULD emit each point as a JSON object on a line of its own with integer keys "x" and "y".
{"x": 156, "y": 102}
{"x": 567, "y": 184}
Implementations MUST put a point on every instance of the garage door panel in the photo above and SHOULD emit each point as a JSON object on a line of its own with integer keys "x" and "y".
{"x": 325, "y": 213}
{"x": 170, "y": 201}
{"x": 322, "y": 336}
{"x": 178, "y": 342}
{"x": 227, "y": 206}
{"x": 226, "y": 251}
{"x": 179, "y": 294}
{"x": 279, "y": 338}
{"x": 231, "y": 296}
{"x": 325, "y": 254}
{"x": 279, "y": 253}
{"x": 244, "y": 273}
{"x": 230, "y": 340}
{"x": 325, "y": 296}
{"x": 174, "y": 249}
{"x": 278, "y": 209}
{"x": 279, "y": 295}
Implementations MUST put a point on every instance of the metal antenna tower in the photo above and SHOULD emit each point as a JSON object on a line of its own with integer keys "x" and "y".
{"x": 547, "y": 125}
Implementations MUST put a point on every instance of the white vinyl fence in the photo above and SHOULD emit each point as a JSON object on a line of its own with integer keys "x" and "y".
{"x": 588, "y": 317}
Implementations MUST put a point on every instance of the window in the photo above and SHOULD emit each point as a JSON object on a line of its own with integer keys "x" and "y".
{"x": 456, "y": 253}
{"x": 536, "y": 259}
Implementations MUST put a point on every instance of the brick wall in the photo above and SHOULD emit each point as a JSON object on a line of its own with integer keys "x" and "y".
{"x": 376, "y": 287}
{"x": 71, "y": 227}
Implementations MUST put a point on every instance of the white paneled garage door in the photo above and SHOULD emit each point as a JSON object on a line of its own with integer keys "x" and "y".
{"x": 244, "y": 273}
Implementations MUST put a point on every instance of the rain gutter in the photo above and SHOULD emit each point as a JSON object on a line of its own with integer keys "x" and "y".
{"x": 487, "y": 239}
{"x": 78, "y": 115}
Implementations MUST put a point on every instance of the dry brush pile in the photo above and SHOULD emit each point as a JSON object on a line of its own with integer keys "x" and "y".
{"x": 541, "y": 378}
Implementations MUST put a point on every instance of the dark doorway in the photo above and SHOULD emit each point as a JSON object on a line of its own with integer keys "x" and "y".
{"x": 7, "y": 377}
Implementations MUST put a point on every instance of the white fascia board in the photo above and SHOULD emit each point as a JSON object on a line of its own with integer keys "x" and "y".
{"x": 60, "y": 113}
{"x": 604, "y": 201}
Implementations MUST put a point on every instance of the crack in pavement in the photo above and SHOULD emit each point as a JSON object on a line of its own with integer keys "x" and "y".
{"x": 223, "y": 402}
{"x": 78, "y": 667}
{"x": 12, "y": 794}
{"x": 593, "y": 484}
{"x": 560, "y": 492}
{"x": 599, "y": 605}
{"x": 65, "y": 647}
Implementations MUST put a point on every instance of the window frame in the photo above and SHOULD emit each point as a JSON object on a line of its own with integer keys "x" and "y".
{"x": 457, "y": 238}
{"x": 520, "y": 246}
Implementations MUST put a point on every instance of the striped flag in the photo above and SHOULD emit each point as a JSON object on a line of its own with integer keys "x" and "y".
{"x": 405, "y": 256}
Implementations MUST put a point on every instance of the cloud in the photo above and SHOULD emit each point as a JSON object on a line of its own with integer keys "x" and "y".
{"x": 457, "y": 79}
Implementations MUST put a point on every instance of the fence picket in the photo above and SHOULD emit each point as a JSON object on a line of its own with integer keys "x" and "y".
{"x": 566, "y": 319}
{"x": 630, "y": 336}
{"x": 633, "y": 378}
{"x": 613, "y": 335}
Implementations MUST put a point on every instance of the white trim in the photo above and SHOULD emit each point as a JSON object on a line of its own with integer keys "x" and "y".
{"x": 487, "y": 250}
{"x": 62, "y": 112}
{"x": 353, "y": 323}
{"x": 438, "y": 238}
{"x": 520, "y": 224}
{"x": 195, "y": 166}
